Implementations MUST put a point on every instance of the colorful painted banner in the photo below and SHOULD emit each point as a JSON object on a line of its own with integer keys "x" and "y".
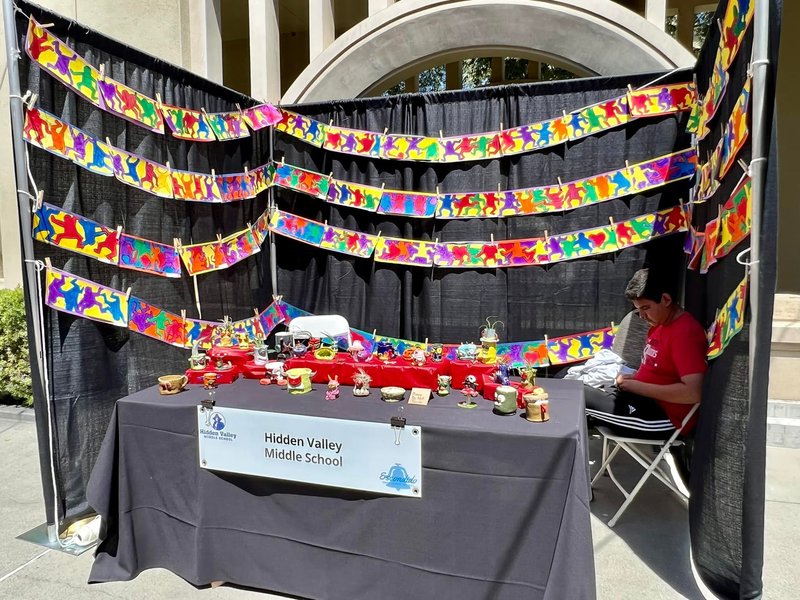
{"x": 129, "y": 104}
{"x": 713, "y": 98}
{"x": 237, "y": 186}
{"x": 261, "y": 116}
{"x": 56, "y": 226}
{"x": 736, "y": 132}
{"x": 729, "y": 320}
{"x": 221, "y": 254}
{"x": 522, "y": 354}
{"x": 198, "y": 187}
{"x": 62, "y": 62}
{"x": 83, "y": 298}
{"x": 49, "y": 133}
{"x": 469, "y": 147}
{"x": 707, "y": 256}
{"x": 347, "y": 242}
{"x": 301, "y": 127}
{"x": 187, "y": 124}
{"x": 738, "y": 15}
{"x": 410, "y": 204}
{"x": 662, "y": 100}
{"x": 352, "y": 141}
{"x": 197, "y": 331}
{"x": 509, "y": 253}
{"x": 227, "y": 125}
{"x": 598, "y": 117}
{"x": 734, "y": 219}
{"x": 410, "y": 147}
{"x": 148, "y": 256}
{"x": 302, "y": 180}
{"x": 298, "y": 228}
{"x": 156, "y": 323}
{"x": 136, "y": 171}
{"x": 354, "y": 195}
{"x": 579, "y": 346}
{"x": 270, "y": 318}
{"x": 404, "y": 252}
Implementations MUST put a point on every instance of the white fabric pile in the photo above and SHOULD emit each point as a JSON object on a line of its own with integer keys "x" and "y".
{"x": 601, "y": 370}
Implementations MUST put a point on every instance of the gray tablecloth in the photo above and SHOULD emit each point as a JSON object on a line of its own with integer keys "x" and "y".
{"x": 505, "y": 512}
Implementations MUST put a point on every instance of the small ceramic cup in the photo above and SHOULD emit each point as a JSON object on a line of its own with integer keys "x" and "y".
{"x": 209, "y": 380}
{"x": 171, "y": 384}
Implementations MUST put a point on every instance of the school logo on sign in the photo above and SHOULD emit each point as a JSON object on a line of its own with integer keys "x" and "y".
{"x": 217, "y": 421}
{"x": 398, "y": 478}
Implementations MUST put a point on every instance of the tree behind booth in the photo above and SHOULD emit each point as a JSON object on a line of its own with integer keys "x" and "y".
{"x": 92, "y": 364}
{"x": 728, "y": 469}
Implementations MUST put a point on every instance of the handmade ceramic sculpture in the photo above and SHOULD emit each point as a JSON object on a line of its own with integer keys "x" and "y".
{"x": 392, "y": 393}
{"x": 437, "y": 352}
{"x": 361, "y": 383}
{"x": 332, "y": 393}
{"x": 418, "y": 357}
{"x": 501, "y": 375}
{"x": 209, "y": 381}
{"x": 470, "y": 390}
{"x": 487, "y": 353}
{"x": 197, "y": 360}
{"x": 355, "y": 349}
{"x": 171, "y": 384}
{"x": 324, "y": 353}
{"x": 299, "y": 380}
{"x": 467, "y": 351}
{"x": 273, "y": 373}
{"x": 537, "y": 406}
{"x": 443, "y": 384}
{"x": 489, "y": 333}
{"x": 283, "y": 344}
{"x": 505, "y": 400}
{"x": 260, "y": 351}
{"x": 528, "y": 378}
{"x": 385, "y": 351}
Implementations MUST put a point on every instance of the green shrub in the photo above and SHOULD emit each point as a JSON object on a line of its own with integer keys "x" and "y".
{"x": 15, "y": 368}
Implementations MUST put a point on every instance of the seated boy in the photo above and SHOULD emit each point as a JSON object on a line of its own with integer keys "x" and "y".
{"x": 654, "y": 400}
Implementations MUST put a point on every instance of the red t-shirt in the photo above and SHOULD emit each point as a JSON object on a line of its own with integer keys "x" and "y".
{"x": 673, "y": 351}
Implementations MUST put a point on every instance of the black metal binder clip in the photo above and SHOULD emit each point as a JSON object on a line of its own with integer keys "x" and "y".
{"x": 208, "y": 403}
{"x": 398, "y": 423}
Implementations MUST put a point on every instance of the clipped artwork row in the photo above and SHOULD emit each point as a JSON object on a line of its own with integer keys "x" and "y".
{"x": 509, "y": 253}
{"x": 91, "y": 83}
{"x": 729, "y": 320}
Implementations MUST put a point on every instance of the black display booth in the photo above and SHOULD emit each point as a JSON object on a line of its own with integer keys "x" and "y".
{"x": 91, "y": 365}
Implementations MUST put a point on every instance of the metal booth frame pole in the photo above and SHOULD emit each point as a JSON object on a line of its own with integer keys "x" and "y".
{"x": 273, "y": 259}
{"x": 24, "y": 196}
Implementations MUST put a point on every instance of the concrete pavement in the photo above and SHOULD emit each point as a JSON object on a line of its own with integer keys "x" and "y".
{"x": 645, "y": 556}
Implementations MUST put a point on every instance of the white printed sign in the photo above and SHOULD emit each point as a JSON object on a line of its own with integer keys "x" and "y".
{"x": 373, "y": 457}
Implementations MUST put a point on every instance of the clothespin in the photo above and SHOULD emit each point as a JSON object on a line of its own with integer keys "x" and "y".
{"x": 546, "y": 341}
{"x": 277, "y": 298}
{"x": 213, "y": 173}
{"x": 330, "y": 123}
{"x": 128, "y": 293}
{"x": 385, "y": 130}
{"x": 627, "y": 165}
{"x": 255, "y": 310}
{"x": 168, "y": 167}
{"x": 721, "y": 28}
{"x": 491, "y": 238}
{"x": 611, "y": 221}
{"x": 498, "y": 187}
{"x": 102, "y": 70}
{"x": 438, "y": 195}
{"x": 501, "y": 126}
{"x": 546, "y": 235}
{"x": 47, "y": 262}
{"x": 374, "y": 332}
{"x": 441, "y": 135}
{"x": 119, "y": 231}
{"x": 219, "y": 237}
{"x": 158, "y": 99}
{"x": 39, "y": 199}
{"x": 745, "y": 166}
{"x": 564, "y": 113}
{"x": 612, "y": 325}
{"x": 281, "y": 160}
{"x": 183, "y": 314}
{"x": 630, "y": 89}
{"x": 560, "y": 185}
{"x": 176, "y": 243}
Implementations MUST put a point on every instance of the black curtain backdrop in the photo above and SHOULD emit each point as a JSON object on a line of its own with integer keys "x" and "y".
{"x": 727, "y": 485}
{"x": 449, "y": 305}
{"x": 93, "y": 364}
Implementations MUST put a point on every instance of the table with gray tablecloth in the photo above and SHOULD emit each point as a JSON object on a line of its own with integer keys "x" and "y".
{"x": 504, "y": 512}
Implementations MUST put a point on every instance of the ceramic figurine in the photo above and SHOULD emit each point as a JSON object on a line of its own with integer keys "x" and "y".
{"x": 332, "y": 392}
{"x": 437, "y": 352}
{"x": 222, "y": 366}
{"x": 528, "y": 377}
{"x": 299, "y": 380}
{"x": 260, "y": 351}
{"x": 361, "y": 383}
{"x": 197, "y": 361}
{"x": 467, "y": 351}
{"x": 443, "y": 384}
{"x": 501, "y": 375}
{"x": 384, "y": 350}
{"x": 418, "y": 357}
{"x": 470, "y": 390}
{"x": 299, "y": 350}
{"x": 355, "y": 349}
{"x": 243, "y": 340}
{"x": 223, "y": 334}
{"x": 209, "y": 381}
{"x": 314, "y": 344}
{"x": 273, "y": 373}
{"x": 487, "y": 353}
{"x": 505, "y": 400}
{"x": 489, "y": 333}
{"x": 283, "y": 344}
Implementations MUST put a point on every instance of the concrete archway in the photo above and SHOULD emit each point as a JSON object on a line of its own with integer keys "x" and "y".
{"x": 590, "y": 37}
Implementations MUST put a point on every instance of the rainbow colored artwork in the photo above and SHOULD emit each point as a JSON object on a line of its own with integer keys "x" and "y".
{"x": 148, "y": 256}
{"x": 156, "y": 323}
{"x": 58, "y": 227}
{"x": 83, "y": 298}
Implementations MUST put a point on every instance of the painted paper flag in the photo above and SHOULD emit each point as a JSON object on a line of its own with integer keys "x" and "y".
{"x": 367, "y": 340}
{"x": 49, "y": 133}
{"x": 469, "y": 147}
{"x": 187, "y": 124}
{"x": 239, "y": 246}
{"x": 203, "y": 258}
{"x": 227, "y": 125}
{"x": 83, "y": 298}
{"x": 707, "y": 257}
{"x": 347, "y": 242}
{"x": 129, "y": 104}
{"x": 477, "y": 204}
{"x": 263, "y": 115}
{"x": 198, "y": 187}
{"x": 738, "y": 15}
{"x": 289, "y": 225}
{"x": 734, "y": 220}
{"x": 467, "y": 254}
{"x": 249, "y": 328}
{"x": 301, "y": 127}
{"x": 662, "y": 99}
{"x": 62, "y": 62}
{"x": 302, "y": 180}
{"x": 729, "y": 321}
{"x": 64, "y": 229}
{"x": 352, "y": 141}
{"x": 522, "y": 354}
{"x": 410, "y": 147}
{"x": 736, "y": 131}
{"x": 236, "y": 186}
{"x": 355, "y": 195}
{"x": 261, "y": 178}
{"x": 517, "y": 140}
{"x": 412, "y": 204}
{"x": 148, "y": 256}
{"x": 270, "y": 318}
{"x": 579, "y": 346}
{"x": 199, "y": 332}
{"x": 712, "y": 99}
{"x": 404, "y": 252}
{"x": 136, "y": 171}
{"x": 156, "y": 323}
{"x": 290, "y": 312}
{"x": 90, "y": 153}
{"x": 669, "y": 220}
{"x": 520, "y": 253}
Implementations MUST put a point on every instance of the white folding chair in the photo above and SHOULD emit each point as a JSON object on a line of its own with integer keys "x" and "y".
{"x": 323, "y": 326}
{"x": 652, "y": 466}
